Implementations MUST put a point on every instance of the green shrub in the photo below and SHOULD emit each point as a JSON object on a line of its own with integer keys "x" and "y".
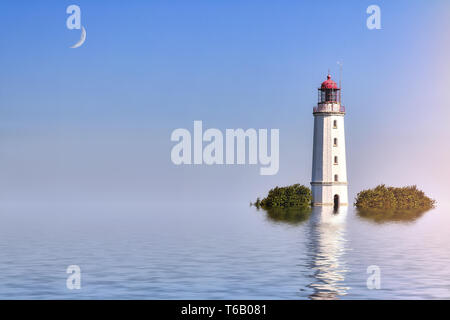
{"x": 295, "y": 196}
{"x": 393, "y": 199}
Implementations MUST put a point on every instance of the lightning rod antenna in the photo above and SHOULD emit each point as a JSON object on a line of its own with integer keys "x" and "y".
{"x": 340, "y": 63}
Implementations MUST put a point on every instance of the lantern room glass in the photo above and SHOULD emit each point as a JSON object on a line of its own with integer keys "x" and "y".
{"x": 329, "y": 95}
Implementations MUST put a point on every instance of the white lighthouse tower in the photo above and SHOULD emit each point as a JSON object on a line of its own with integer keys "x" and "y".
{"x": 329, "y": 169}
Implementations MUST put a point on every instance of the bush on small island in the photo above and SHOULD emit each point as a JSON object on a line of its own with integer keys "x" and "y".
{"x": 295, "y": 196}
{"x": 393, "y": 199}
{"x": 290, "y": 204}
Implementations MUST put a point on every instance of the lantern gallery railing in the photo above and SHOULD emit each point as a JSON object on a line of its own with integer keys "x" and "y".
{"x": 329, "y": 107}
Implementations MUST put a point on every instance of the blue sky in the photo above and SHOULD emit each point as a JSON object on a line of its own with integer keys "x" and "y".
{"x": 149, "y": 67}
{"x": 176, "y": 59}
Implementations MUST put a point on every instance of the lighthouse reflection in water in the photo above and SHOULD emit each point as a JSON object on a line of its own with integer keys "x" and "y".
{"x": 328, "y": 246}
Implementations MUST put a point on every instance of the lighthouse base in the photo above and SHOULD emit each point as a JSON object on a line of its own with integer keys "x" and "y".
{"x": 329, "y": 194}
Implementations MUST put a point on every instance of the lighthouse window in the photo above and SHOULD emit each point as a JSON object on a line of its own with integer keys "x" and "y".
{"x": 335, "y": 160}
{"x": 335, "y": 142}
{"x": 336, "y": 178}
{"x": 335, "y": 124}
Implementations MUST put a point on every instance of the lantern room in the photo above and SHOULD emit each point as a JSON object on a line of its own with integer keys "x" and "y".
{"x": 329, "y": 92}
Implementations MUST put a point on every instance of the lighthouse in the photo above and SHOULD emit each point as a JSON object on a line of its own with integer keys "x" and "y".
{"x": 329, "y": 168}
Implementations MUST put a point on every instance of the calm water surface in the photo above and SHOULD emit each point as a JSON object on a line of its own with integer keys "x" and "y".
{"x": 231, "y": 252}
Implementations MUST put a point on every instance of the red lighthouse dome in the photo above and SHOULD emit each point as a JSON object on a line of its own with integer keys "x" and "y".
{"x": 329, "y": 84}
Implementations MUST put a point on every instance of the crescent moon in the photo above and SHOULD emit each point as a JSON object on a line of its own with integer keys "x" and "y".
{"x": 82, "y": 39}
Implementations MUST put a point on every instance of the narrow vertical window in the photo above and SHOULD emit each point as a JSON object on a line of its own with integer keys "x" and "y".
{"x": 336, "y": 160}
{"x": 335, "y": 124}
{"x": 336, "y": 178}
{"x": 335, "y": 142}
